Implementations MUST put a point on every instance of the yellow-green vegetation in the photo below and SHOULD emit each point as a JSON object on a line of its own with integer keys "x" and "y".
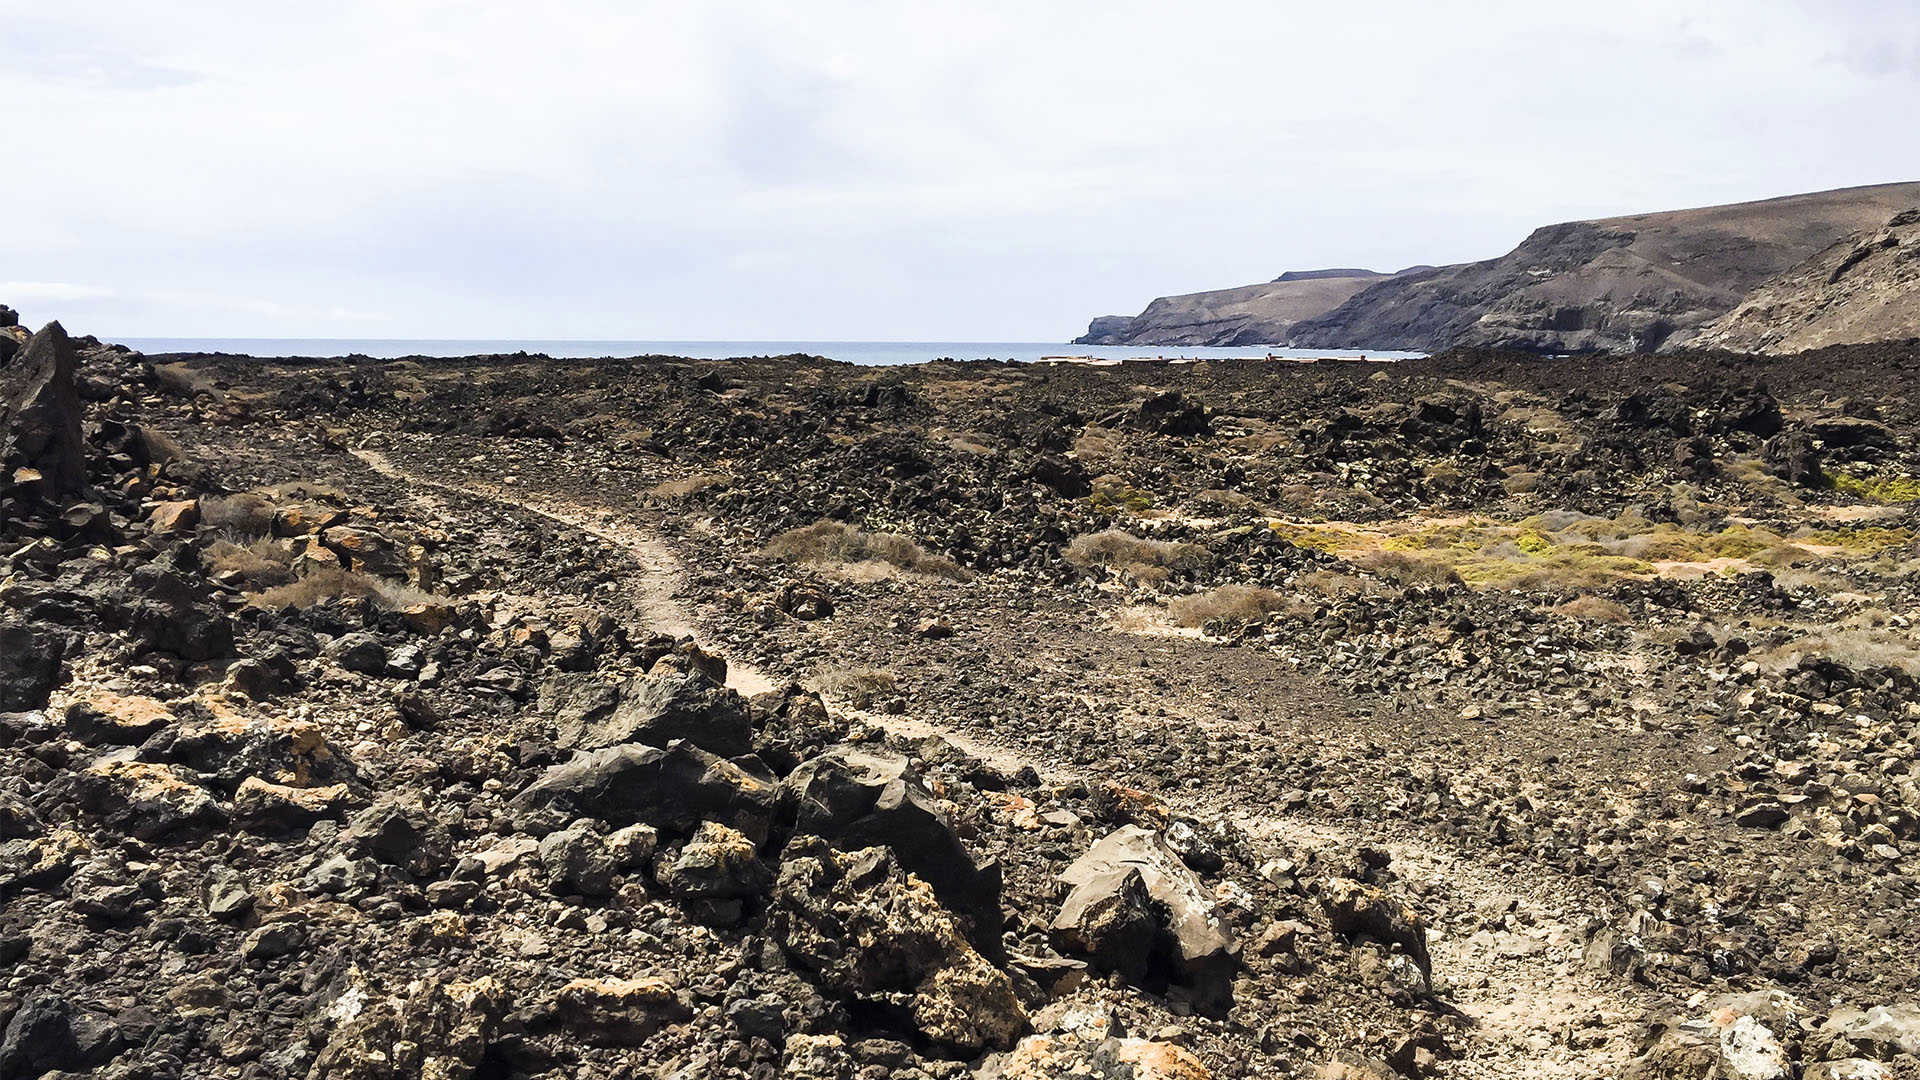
{"x": 1876, "y": 488}
{"x": 834, "y": 543}
{"x": 1569, "y": 550}
{"x": 1866, "y": 540}
{"x": 1111, "y": 495}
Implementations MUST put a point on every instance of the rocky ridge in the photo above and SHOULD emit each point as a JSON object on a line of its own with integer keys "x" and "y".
{"x": 1615, "y": 285}
{"x": 1251, "y": 315}
{"x": 1866, "y": 287}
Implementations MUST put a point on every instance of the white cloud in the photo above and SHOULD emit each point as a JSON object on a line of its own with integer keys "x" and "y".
{"x": 847, "y": 168}
{"x": 50, "y": 291}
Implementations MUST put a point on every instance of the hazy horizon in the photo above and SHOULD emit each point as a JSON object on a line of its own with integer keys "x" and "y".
{"x": 975, "y": 172}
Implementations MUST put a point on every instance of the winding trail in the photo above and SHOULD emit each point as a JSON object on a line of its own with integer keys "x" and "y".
{"x": 1537, "y": 1011}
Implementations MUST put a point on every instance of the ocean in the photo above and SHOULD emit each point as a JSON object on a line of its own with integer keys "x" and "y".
{"x": 870, "y": 353}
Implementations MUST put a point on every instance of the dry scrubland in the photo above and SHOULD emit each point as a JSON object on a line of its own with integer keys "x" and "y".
{"x": 1482, "y": 716}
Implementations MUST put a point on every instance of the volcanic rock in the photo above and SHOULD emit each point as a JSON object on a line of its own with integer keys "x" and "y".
{"x": 674, "y": 789}
{"x": 1196, "y": 947}
{"x": 40, "y": 416}
{"x": 867, "y": 930}
{"x": 855, "y": 799}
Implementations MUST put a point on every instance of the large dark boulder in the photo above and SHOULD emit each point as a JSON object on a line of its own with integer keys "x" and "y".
{"x": 50, "y": 1034}
{"x": 40, "y": 417}
{"x": 855, "y": 800}
{"x": 1192, "y": 948}
{"x": 592, "y": 714}
{"x": 673, "y": 789}
{"x": 29, "y": 665}
{"x": 174, "y": 614}
{"x": 862, "y": 930}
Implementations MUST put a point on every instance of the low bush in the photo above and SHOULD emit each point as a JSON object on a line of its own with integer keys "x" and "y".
{"x": 1240, "y": 603}
{"x": 689, "y": 485}
{"x": 834, "y": 543}
{"x": 860, "y": 687}
{"x": 1407, "y": 568}
{"x": 1595, "y": 609}
{"x": 245, "y": 514}
{"x": 1125, "y": 551}
{"x": 325, "y": 583}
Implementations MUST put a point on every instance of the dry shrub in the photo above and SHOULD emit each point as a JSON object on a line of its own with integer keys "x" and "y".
{"x": 1241, "y": 603}
{"x": 1861, "y": 648}
{"x": 835, "y": 543}
{"x": 860, "y": 687}
{"x": 261, "y": 563}
{"x": 1407, "y": 568}
{"x": 1125, "y": 551}
{"x": 245, "y": 514}
{"x": 324, "y": 583}
{"x": 1596, "y": 609}
{"x": 689, "y": 485}
{"x": 180, "y": 380}
{"x": 1331, "y": 584}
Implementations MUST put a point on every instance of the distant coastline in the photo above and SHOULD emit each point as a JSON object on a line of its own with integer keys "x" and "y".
{"x": 867, "y": 353}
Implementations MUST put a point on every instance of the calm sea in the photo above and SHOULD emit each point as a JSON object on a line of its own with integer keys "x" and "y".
{"x": 875, "y": 353}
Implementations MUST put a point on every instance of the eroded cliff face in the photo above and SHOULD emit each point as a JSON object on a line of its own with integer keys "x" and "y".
{"x": 1624, "y": 284}
{"x": 1864, "y": 288}
{"x": 1263, "y": 314}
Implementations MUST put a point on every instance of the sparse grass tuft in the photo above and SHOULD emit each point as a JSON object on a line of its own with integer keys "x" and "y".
{"x": 324, "y": 583}
{"x": 689, "y": 485}
{"x": 860, "y": 687}
{"x": 1862, "y": 648}
{"x": 1406, "y": 568}
{"x": 260, "y": 563}
{"x": 1595, "y": 609}
{"x": 834, "y": 543}
{"x": 1240, "y": 603}
{"x": 1148, "y": 560}
{"x": 245, "y": 514}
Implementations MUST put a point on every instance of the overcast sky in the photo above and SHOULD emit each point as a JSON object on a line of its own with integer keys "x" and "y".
{"x": 832, "y": 169}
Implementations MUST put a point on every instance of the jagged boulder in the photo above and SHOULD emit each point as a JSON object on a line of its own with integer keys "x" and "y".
{"x": 178, "y": 615}
{"x": 1193, "y": 946}
{"x": 866, "y": 930}
{"x": 144, "y": 800}
{"x": 673, "y": 789}
{"x": 50, "y": 1033}
{"x": 592, "y": 714}
{"x": 40, "y": 445}
{"x": 29, "y": 665}
{"x": 1359, "y": 910}
{"x": 855, "y": 799}
{"x": 440, "y": 1029}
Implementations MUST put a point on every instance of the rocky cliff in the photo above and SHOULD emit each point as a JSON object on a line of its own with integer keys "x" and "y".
{"x": 1249, "y": 315}
{"x": 1639, "y": 282}
{"x": 1864, "y": 288}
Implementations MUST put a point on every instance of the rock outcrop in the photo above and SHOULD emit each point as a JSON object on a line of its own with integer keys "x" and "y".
{"x": 1261, "y": 314}
{"x": 40, "y": 448}
{"x": 1622, "y": 284}
{"x": 1865, "y": 287}
{"x": 1635, "y": 283}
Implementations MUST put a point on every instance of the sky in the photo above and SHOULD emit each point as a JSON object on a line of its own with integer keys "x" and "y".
{"x": 967, "y": 170}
